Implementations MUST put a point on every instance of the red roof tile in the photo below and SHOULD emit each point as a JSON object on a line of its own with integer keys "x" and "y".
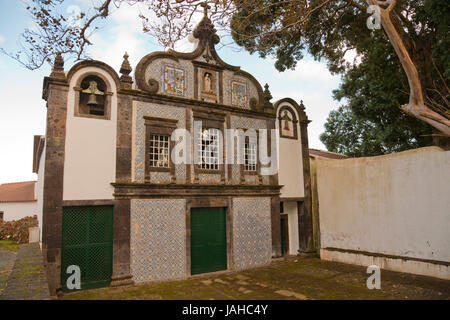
{"x": 17, "y": 191}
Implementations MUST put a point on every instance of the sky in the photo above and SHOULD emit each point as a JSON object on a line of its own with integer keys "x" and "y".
{"x": 23, "y": 112}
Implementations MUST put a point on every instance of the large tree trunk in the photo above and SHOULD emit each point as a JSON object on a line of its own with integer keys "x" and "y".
{"x": 416, "y": 106}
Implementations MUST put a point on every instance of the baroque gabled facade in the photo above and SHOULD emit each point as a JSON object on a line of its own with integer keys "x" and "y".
{"x": 119, "y": 205}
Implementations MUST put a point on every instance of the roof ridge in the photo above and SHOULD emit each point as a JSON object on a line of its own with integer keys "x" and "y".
{"x": 8, "y": 183}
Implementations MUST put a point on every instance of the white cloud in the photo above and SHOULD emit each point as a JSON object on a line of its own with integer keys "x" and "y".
{"x": 126, "y": 34}
{"x": 308, "y": 70}
{"x": 2, "y": 39}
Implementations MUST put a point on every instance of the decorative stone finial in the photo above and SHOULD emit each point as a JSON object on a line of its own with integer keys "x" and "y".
{"x": 205, "y": 8}
{"x": 303, "y": 117}
{"x": 205, "y": 30}
{"x": 302, "y": 106}
{"x": 58, "y": 67}
{"x": 125, "y": 79}
{"x": 268, "y": 106}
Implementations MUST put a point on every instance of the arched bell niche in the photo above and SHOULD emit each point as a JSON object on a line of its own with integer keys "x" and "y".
{"x": 93, "y": 98}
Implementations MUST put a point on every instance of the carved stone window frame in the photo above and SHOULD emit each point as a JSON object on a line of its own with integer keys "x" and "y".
{"x": 159, "y": 126}
{"x": 294, "y": 122}
{"x": 252, "y": 172}
{"x": 210, "y": 120}
{"x": 108, "y": 95}
{"x": 257, "y": 172}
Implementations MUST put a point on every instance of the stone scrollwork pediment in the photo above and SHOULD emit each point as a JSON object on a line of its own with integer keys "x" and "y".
{"x": 200, "y": 74}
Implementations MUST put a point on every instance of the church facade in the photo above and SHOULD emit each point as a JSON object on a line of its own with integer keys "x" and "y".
{"x": 185, "y": 168}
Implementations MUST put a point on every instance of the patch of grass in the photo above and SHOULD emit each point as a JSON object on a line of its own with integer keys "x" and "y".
{"x": 9, "y": 245}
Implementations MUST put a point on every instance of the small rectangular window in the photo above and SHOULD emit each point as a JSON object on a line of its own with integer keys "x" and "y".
{"x": 1, "y": 215}
{"x": 159, "y": 151}
{"x": 209, "y": 149}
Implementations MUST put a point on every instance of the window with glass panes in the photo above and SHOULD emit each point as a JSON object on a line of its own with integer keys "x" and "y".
{"x": 250, "y": 156}
{"x": 159, "y": 150}
{"x": 209, "y": 149}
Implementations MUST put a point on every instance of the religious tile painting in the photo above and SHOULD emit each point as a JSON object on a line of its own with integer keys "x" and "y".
{"x": 174, "y": 81}
{"x": 238, "y": 93}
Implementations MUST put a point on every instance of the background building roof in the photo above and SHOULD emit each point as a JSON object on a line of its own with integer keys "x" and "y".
{"x": 17, "y": 191}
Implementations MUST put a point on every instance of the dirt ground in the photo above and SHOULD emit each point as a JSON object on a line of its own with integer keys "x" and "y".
{"x": 289, "y": 278}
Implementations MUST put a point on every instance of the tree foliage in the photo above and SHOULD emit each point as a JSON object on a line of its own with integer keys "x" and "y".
{"x": 377, "y": 89}
{"x": 370, "y": 121}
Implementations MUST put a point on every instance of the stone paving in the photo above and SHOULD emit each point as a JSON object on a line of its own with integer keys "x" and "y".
{"x": 27, "y": 280}
{"x": 7, "y": 258}
{"x": 292, "y": 278}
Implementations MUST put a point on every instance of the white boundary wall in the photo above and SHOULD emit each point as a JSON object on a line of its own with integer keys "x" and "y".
{"x": 392, "y": 211}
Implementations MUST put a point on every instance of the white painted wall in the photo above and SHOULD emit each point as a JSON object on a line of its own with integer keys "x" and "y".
{"x": 90, "y": 148}
{"x": 39, "y": 190}
{"x": 290, "y": 208}
{"x": 396, "y": 204}
{"x": 290, "y": 170}
{"x": 18, "y": 210}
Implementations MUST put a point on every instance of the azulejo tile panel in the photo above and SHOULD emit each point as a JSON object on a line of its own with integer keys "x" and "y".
{"x": 174, "y": 81}
{"x": 252, "y": 233}
{"x": 251, "y": 179}
{"x": 239, "y": 95}
{"x": 247, "y": 123}
{"x": 234, "y": 90}
{"x": 205, "y": 178}
{"x": 158, "y": 239}
{"x": 161, "y": 111}
{"x": 172, "y": 72}
{"x": 160, "y": 177}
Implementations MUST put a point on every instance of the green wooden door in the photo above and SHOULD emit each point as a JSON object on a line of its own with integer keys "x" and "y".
{"x": 208, "y": 240}
{"x": 87, "y": 242}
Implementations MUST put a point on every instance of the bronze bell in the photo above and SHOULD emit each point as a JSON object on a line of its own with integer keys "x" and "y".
{"x": 92, "y": 101}
{"x": 93, "y": 93}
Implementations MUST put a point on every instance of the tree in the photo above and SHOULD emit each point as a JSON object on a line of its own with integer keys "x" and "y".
{"x": 370, "y": 121}
{"x": 283, "y": 28}
{"x": 417, "y": 31}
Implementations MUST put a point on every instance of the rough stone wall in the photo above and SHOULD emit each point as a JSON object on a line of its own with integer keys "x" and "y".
{"x": 54, "y": 179}
{"x": 252, "y": 244}
{"x": 158, "y": 239}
